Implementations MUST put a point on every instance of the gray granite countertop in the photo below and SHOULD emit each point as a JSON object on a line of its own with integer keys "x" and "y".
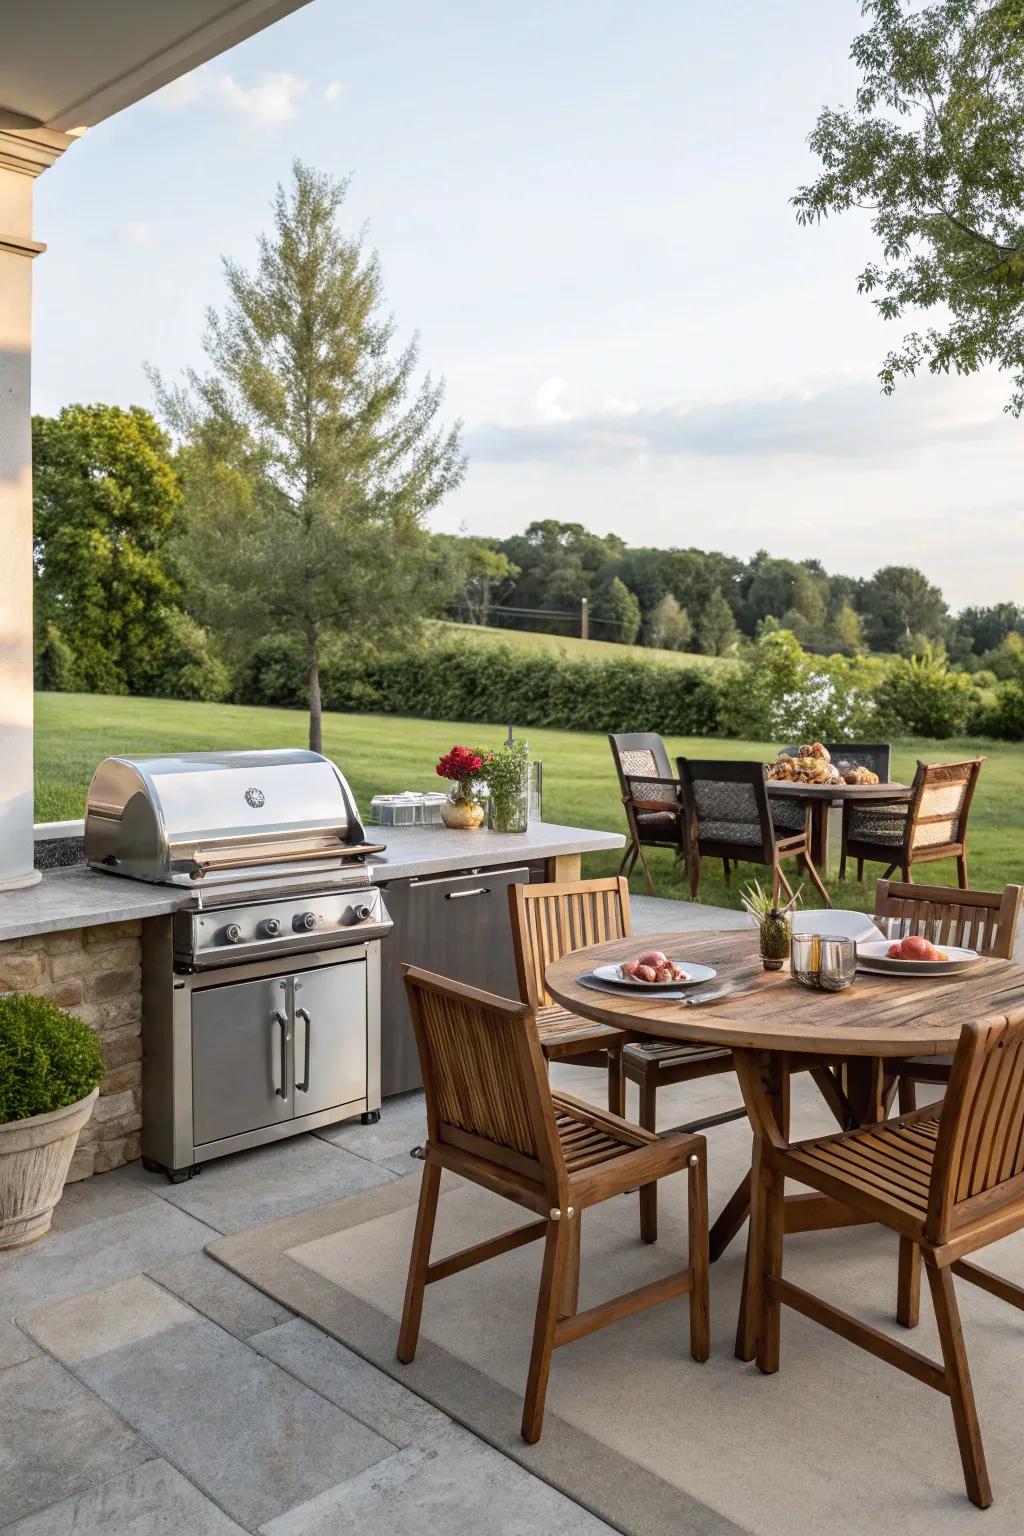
{"x": 78, "y": 897}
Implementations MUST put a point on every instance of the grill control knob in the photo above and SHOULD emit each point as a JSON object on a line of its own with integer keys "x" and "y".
{"x": 270, "y": 928}
{"x": 360, "y": 914}
{"x": 232, "y": 933}
{"x": 304, "y": 922}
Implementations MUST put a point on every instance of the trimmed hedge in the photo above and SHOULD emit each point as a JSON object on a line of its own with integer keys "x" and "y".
{"x": 478, "y": 683}
{"x": 48, "y": 1058}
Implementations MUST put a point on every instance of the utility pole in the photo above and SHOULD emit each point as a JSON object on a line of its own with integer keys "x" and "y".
{"x": 584, "y": 619}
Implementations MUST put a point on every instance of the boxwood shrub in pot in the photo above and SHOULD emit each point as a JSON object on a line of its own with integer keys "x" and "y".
{"x": 50, "y": 1069}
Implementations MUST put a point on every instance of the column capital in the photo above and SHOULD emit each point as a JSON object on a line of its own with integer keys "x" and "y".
{"x": 31, "y": 151}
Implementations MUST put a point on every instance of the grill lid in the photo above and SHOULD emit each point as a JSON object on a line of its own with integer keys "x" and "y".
{"x": 214, "y": 816}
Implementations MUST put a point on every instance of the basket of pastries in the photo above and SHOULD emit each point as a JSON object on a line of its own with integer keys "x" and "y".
{"x": 813, "y": 765}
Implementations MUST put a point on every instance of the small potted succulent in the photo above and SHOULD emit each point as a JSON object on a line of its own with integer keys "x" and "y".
{"x": 506, "y": 772}
{"x": 463, "y": 809}
{"x": 50, "y": 1069}
{"x": 774, "y": 924}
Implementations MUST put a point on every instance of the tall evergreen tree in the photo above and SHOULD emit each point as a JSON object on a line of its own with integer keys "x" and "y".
{"x": 312, "y": 455}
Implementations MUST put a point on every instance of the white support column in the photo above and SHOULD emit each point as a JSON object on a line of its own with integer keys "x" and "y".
{"x": 24, "y": 154}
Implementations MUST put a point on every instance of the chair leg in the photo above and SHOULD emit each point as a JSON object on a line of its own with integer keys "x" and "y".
{"x": 816, "y": 879}
{"x": 860, "y": 871}
{"x": 647, "y": 870}
{"x": 616, "y": 1083}
{"x": 727, "y": 870}
{"x": 908, "y": 1095}
{"x": 697, "y": 1193}
{"x": 842, "y": 862}
{"x": 908, "y": 1285}
{"x": 693, "y": 870}
{"x": 418, "y": 1260}
{"x": 628, "y": 859}
{"x": 958, "y": 1382}
{"x": 648, "y": 1119}
{"x": 771, "y": 1309}
{"x": 961, "y": 870}
{"x": 556, "y": 1255}
{"x": 906, "y": 874}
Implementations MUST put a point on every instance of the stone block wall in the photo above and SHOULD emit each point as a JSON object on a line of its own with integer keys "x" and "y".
{"x": 96, "y": 974}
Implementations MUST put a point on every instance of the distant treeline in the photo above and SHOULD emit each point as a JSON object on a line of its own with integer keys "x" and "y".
{"x": 704, "y": 601}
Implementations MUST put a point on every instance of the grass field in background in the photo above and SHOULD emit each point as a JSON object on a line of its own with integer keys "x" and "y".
{"x": 573, "y": 646}
{"x": 383, "y": 753}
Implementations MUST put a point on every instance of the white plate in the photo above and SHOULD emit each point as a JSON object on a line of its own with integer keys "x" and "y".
{"x": 836, "y": 921}
{"x": 875, "y": 957}
{"x": 694, "y": 974}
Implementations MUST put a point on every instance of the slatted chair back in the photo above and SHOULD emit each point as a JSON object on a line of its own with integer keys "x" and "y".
{"x": 979, "y": 1156}
{"x": 484, "y": 1079}
{"x": 550, "y": 920}
{"x": 727, "y": 807}
{"x": 981, "y": 920}
{"x": 940, "y": 803}
{"x": 874, "y": 755}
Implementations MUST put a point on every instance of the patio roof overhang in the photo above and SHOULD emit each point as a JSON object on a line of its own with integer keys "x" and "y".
{"x": 65, "y": 65}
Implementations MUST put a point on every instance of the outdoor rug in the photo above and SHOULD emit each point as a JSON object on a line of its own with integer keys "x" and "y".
{"x": 835, "y": 1444}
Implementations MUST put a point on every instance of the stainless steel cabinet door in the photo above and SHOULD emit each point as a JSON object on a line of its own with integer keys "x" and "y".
{"x": 330, "y": 1036}
{"x": 457, "y": 925}
{"x": 241, "y": 1058}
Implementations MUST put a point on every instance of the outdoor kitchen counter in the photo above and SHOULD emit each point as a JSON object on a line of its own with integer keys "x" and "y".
{"x": 78, "y": 897}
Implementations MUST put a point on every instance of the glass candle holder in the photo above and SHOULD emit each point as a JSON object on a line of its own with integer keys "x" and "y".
{"x": 825, "y": 961}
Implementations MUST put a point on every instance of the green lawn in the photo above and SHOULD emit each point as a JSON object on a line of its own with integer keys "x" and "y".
{"x": 573, "y": 646}
{"x": 381, "y": 753}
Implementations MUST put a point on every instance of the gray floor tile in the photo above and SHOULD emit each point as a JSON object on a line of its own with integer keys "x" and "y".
{"x": 221, "y": 1296}
{"x": 152, "y": 1500}
{"x": 57, "y": 1439}
{"x": 658, "y": 914}
{"x": 96, "y": 1254}
{"x": 402, "y": 1125}
{"x": 15, "y": 1346}
{"x": 100, "y": 1197}
{"x": 452, "y": 1482}
{"x": 251, "y": 1188}
{"x": 249, "y": 1435}
{"x": 350, "y": 1382}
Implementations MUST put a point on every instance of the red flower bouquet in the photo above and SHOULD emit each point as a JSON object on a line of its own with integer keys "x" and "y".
{"x": 462, "y": 810}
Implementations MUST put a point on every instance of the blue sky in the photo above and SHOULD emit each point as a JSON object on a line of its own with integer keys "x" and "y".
{"x": 583, "y": 210}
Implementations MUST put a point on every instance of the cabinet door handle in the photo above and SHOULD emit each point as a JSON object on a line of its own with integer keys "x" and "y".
{"x": 301, "y": 1013}
{"x": 282, "y": 1022}
{"x": 478, "y": 890}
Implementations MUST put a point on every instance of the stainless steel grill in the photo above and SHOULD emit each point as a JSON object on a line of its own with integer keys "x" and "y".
{"x": 261, "y": 998}
{"x": 208, "y": 817}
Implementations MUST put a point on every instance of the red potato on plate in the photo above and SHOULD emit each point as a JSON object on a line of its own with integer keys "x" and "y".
{"x": 915, "y": 947}
{"x": 655, "y": 958}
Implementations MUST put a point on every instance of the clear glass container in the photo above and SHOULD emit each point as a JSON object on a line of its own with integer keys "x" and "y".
{"x": 510, "y": 813}
{"x": 825, "y": 961}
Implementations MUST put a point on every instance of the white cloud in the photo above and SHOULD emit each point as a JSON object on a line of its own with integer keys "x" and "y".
{"x": 333, "y": 91}
{"x": 272, "y": 100}
{"x": 842, "y": 420}
{"x": 135, "y": 232}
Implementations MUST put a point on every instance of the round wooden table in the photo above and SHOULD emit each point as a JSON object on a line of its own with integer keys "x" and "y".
{"x": 775, "y": 1027}
{"x": 821, "y": 798}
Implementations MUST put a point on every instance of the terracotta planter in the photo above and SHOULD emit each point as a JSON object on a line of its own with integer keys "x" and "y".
{"x": 35, "y": 1155}
{"x": 462, "y": 815}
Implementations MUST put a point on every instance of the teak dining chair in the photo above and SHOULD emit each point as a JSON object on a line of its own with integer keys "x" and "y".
{"x": 949, "y": 1179}
{"x": 492, "y": 1119}
{"x": 931, "y": 825}
{"x": 729, "y": 817}
{"x": 981, "y": 920}
{"x": 650, "y": 798}
{"x": 548, "y": 921}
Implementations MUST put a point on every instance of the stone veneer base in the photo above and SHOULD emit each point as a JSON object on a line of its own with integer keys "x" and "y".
{"x": 95, "y": 973}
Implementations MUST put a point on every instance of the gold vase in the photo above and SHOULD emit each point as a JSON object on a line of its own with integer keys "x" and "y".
{"x": 462, "y": 815}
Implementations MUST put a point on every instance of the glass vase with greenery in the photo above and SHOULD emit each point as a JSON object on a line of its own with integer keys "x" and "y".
{"x": 506, "y": 772}
{"x": 774, "y": 924}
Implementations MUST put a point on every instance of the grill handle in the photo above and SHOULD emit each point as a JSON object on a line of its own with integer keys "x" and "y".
{"x": 303, "y": 1014}
{"x": 477, "y": 890}
{"x": 280, "y": 1020}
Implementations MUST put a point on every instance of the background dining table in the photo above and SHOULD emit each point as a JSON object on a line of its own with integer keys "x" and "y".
{"x": 843, "y": 1039}
{"x": 822, "y": 797}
